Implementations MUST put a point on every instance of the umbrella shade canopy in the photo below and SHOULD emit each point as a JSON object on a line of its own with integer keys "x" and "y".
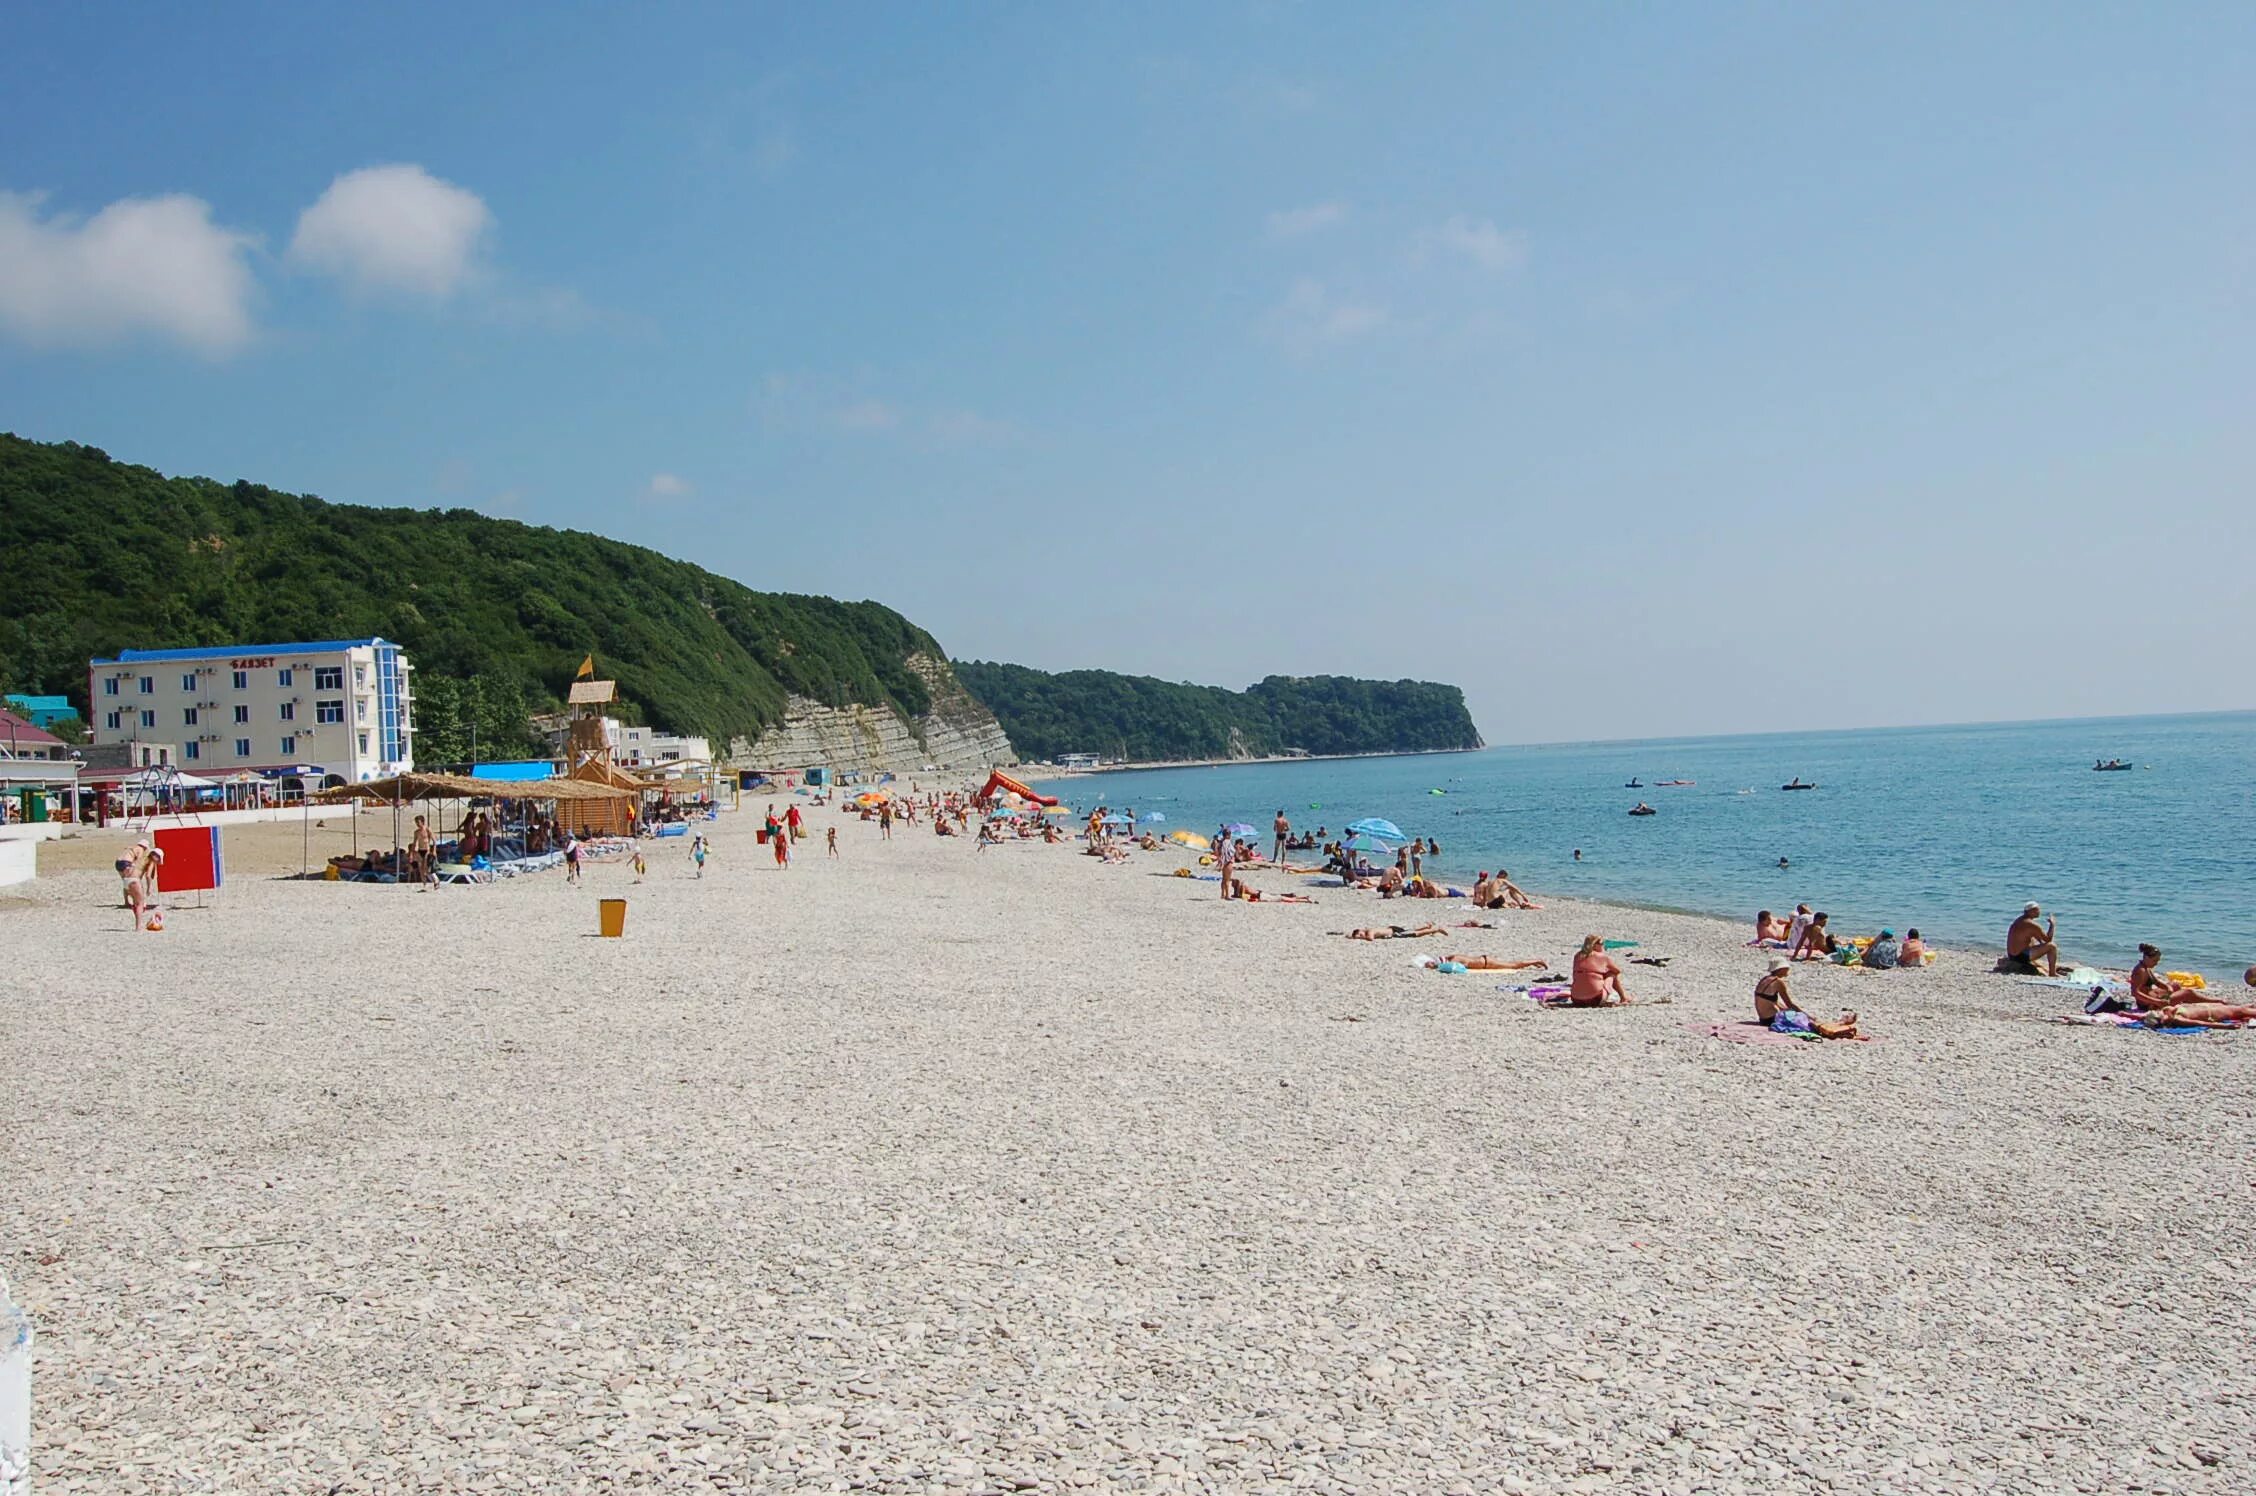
{"x": 1116, "y": 819}
{"x": 1362, "y": 843}
{"x": 1189, "y": 839}
{"x": 1155, "y": 819}
{"x": 463, "y": 787}
{"x": 159, "y": 779}
{"x": 1373, "y": 826}
{"x": 1238, "y": 828}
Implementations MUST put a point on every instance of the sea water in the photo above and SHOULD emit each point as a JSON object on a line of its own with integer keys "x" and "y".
{"x": 1950, "y": 829}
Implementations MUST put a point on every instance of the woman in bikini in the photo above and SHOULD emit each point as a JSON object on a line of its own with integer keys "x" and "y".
{"x": 1777, "y": 1011}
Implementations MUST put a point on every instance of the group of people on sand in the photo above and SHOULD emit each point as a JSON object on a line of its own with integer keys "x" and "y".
{"x": 1808, "y": 936}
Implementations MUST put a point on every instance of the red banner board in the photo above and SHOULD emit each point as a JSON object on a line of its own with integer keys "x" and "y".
{"x": 191, "y": 858}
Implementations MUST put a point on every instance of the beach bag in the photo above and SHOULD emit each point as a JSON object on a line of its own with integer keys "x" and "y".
{"x": 2104, "y": 1001}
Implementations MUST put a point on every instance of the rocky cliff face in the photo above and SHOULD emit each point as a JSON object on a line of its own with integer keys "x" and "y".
{"x": 957, "y": 733}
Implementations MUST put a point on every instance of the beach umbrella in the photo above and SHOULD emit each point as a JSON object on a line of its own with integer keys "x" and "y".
{"x": 1189, "y": 839}
{"x": 1155, "y": 818}
{"x": 1238, "y": 828}
{"x": 1373, "y": 826}
{"x": 1116, "y": 819}
{"x": 1364, "y": 842}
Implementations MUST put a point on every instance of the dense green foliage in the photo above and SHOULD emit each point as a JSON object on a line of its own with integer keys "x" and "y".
{"x": 1096, "y": 711}
{"x": 496, "y": 615}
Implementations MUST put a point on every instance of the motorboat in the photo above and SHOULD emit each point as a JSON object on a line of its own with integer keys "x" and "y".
{"x": 1642, "y": 809}
{"x": 1796, "y": 784}
{"x": 2111, "y": 766}
{"x": 1671, "y": 783}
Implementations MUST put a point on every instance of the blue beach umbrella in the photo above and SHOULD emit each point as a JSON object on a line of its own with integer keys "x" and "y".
{"x": 1365, "y": 843}
{"x": 1155, "y": 818}
{"x": 1373, "y": 826}
{"x": 1238, "y": 828}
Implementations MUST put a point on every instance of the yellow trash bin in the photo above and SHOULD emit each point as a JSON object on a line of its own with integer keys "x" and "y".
{"x": 613, "y": 914}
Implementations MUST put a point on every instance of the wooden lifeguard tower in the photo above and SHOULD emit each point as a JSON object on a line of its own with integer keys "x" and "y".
{"x": 587, "y": 757}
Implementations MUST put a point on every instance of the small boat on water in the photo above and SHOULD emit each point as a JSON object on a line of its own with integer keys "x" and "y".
{"x": 1796, "y": 784}
{"x": 1634, "y": 784}
{"x": 2110, "y": 766}
{"x": 1642, "y": 809}
{"x": 1669, "y": 783}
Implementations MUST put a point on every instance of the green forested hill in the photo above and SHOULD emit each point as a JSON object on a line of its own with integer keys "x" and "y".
{"x": 97, "y": 555}
{"x": 1097, "y": 711}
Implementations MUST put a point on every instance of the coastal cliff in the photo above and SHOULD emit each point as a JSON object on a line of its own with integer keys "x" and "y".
{"x": 955, "y": 732}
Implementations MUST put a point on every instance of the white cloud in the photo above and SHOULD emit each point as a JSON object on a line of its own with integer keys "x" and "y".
{"x": 1313, "y": 317}
{"x": 393, "y": 228}
{"x": 1478, "y": 240}
{"x": 663, "y": 487}
{"x": 866, "y": 415}
{"x": 1294, "y": 223}
{"x": 151, "y": 265}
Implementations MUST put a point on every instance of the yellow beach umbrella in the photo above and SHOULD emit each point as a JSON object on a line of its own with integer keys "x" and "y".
{"x": 1188, "y": 839}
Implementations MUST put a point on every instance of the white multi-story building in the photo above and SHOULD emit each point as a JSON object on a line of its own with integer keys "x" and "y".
{"x": 341, "y": 704}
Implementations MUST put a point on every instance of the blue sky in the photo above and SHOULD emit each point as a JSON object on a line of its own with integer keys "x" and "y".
{"x": 1643, "y": 369}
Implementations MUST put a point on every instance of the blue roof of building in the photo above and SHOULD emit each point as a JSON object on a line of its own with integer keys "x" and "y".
{"x": 38, "y": 703}
{"x": 319, "y": 646}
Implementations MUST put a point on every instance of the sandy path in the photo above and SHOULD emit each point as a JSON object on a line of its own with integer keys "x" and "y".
{"x": 932, "y": 1170}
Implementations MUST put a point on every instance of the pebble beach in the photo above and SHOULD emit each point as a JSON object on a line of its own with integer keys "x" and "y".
{"x": 935, "y": 1170}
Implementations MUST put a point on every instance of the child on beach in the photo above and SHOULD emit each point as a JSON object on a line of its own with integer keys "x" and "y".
{"x": 830, "y": 839}
{"x": 697, "y": 853}
{"x": 639, "y": 867}
{"x": 571, "y": 858}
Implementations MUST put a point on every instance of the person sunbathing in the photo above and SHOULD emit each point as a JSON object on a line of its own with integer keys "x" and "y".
{"x": 1422, "y": 887}
{"x": 1776, "y": 1010}
{"x": 1596, "y": 976}
{"x": 1396, "y": 932}
{"x": 1509, "y": 894}
{"x": 2027, "y": 943}
{"x": 1817, "y": 942}
{"x": 1769, "y": 926}
{"x": 1490, "y": 963}
{"x": 2150, "y": 989}
{"x": 2200, "y": 1015}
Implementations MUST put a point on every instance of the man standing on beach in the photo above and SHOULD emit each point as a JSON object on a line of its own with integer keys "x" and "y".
{"x": 1283, "y": 829}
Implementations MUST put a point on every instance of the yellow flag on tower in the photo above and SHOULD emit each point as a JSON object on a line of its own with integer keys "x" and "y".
{"x": 587, "y": 669}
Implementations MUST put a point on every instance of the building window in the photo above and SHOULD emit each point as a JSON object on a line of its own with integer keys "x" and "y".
{"x": 328, "y": 677}
{"x": 148, "y": 719}
{"x": 289, "y": 711}
{"x": 188, "y": 681}
{"x": 148, "y": 685}
{"x": 188, "y": 717}
{"x": 282, "y": 677}
{"x": 290, "y": 747}
{"x": 242, "y": 747}
{"x": 329, "y": 711}
{"x": 360, "y": 709}
{"x": 364, "y": 742}
{"x": 109, "y": 686}
{"x": 242, "y": 712}
{"x": 242, "y": 680}
{"x": 111, "y": 721}
{"x": 191, "y": 750}
{"x": 360, "y": 677}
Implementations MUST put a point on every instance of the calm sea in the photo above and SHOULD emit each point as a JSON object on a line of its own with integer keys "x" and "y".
{"x": 1951, "y": 829}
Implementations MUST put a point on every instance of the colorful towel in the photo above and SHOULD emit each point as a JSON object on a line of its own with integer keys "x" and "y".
{"x": 2130, "y": 1021}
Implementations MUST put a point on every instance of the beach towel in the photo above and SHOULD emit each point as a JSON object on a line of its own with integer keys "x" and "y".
{"x": 1751, "y": 1032}
{"x": 1767, "y": 945}
{"x": 2125, "y": 1021}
